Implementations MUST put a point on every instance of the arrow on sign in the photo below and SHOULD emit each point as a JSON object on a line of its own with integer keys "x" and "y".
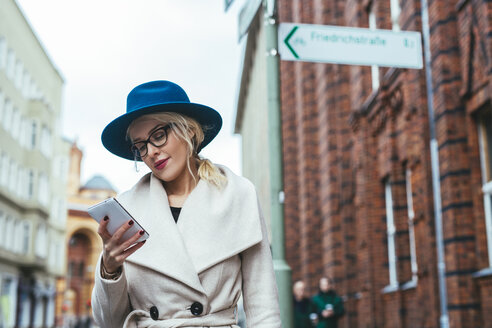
{"x": 286, "y": 41}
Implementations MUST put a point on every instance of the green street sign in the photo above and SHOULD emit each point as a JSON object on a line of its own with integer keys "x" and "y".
{"x": 349, "y": 45}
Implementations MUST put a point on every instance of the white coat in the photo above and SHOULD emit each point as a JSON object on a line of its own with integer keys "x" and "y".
{"x": 217, "y": 249}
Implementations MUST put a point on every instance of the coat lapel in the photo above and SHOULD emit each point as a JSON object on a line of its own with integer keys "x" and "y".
{"x": 164, "y": 251}
{"x": 217, "y": 224}
{"x": 213, "y": 226}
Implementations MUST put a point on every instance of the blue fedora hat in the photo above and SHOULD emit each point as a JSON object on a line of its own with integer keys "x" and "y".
{"x": 154, "y": 97}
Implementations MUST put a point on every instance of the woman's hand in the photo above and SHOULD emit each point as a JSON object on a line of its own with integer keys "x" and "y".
{"x": 115, "y": 251}
{"x": 327, "y": 313}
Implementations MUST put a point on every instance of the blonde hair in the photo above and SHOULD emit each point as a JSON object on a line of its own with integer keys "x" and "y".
{"x": 191, "y": 132}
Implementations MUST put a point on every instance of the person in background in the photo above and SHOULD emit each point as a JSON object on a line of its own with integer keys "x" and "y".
{"x": 302, "y": 306}
{"x": 327, "y": 304}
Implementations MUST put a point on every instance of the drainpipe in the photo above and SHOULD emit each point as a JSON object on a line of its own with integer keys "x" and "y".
{"x": 282, "y": 270}
{"x": 436, "y": 184}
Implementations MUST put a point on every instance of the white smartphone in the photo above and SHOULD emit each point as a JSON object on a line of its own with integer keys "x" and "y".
{"x": 118, "y": 216}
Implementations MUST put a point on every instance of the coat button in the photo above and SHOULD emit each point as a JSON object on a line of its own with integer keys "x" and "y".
{"x": 196, "y": 308}
{"x": 154, "y": 313}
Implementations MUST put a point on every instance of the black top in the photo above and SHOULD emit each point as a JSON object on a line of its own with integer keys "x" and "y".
{"x": 175, "y": 212}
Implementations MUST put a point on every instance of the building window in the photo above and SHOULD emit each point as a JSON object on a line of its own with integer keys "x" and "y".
{"x": 26, "y": 82}
{"x": 81, "y": 269}
{"x": 20, "y": 183}
{"x": 60, "y": 168}
{"x": 9, "y": 233}
{"x": 51, "y": 255}
{"x": 411, "y": 230}
{"x": 485, "y": 143}
{"x": 3, "y": 224}
{"x": 16, "y": 121}
{"x": 7, "y": 115}
{"x": 3, "y": 53}
{"x": 43, "y": 190}
{"x": 30, "y": 187}
{"x": 60, "y": 256}
{"x": 71, "y": 267}
{"x": 395, "y": 15}
{"x": 34, "y": 128}
{"x": 46, "y": 141}
{"x": 54, "y": 210}
{"x": 27, "y": 237}
{"x": 13, "y": 175}
{"x": 4, "y": 174}
{"x": 23, "y": 138}
{"x": 34, "y": 91}
{"x": 8, "y": 295}
{"x": 42, "y": 241}
{"x": 19, "y": 236}
{"x": 391, "y": 234}
{"x": 19, "y": 69}
{"x": 374, "y": 68}
{"x": 2, "y": 105}
{"x": 10, "y": 64}
{"x": 58, "y": 211}
{"x": 62, "y": 211}
{"x": 25, "y": 184}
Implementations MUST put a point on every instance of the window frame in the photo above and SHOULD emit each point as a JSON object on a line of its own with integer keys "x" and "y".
{"x": 486, "y": 183}
{"x": 391, "y": 235}
{"x": 2, "y": 104}
{"x": 26, "y": 237}
{"x": 3, "y": 224}
{"x": 8, "y": 112}
{"x": 10, "y": 65}
{"x": 4, "y": 174}
{"x": 3, "y": 53}
{"x": 411, "y": 228}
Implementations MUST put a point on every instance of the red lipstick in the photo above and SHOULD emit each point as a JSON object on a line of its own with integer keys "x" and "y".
{"x": 161, "y": 163}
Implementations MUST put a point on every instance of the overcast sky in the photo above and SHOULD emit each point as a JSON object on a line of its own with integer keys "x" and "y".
{"x": 104, "y": 48}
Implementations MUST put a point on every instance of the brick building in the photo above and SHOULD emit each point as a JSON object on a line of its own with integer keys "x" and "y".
{"x": 358, "y": 151}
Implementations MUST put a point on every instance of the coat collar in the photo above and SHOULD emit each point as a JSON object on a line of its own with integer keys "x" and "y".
{"x": 213, "y": 225}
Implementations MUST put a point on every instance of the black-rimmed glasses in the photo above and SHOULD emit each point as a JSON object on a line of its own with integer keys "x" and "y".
{"x": 157, "y": 138}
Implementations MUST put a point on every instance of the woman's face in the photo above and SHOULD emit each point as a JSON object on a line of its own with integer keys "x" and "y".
{"x": 167, "y": 162}
{"x": 299, "y": 290}
{"x": 324, "y": 284}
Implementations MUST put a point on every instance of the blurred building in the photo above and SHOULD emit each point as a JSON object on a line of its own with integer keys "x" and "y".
{"x": 360, "y": 145}
{"x": 83, "y": 243}
{"x": 33, "y": 170}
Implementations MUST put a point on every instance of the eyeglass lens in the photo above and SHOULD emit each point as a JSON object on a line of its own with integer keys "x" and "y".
{"x": 158, "y": 138}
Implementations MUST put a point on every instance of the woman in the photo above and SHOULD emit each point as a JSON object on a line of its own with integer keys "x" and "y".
{"x": 327, "y": 304}
{"x": 302, "y": 306}
{"x": 208, "y": 242}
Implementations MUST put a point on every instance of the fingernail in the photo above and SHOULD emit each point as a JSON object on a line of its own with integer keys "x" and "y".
{"x": 106, "y": 218}
{"x": 130, "y": 222}
{"x": 141, "y": 232}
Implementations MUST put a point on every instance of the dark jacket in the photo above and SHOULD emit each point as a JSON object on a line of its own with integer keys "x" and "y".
{"x": 320, "y": 301}
{"x": 302, "y": 309}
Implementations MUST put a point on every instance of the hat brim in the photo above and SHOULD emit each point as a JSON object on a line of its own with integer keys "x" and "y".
{"x": 114, "y": 136}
